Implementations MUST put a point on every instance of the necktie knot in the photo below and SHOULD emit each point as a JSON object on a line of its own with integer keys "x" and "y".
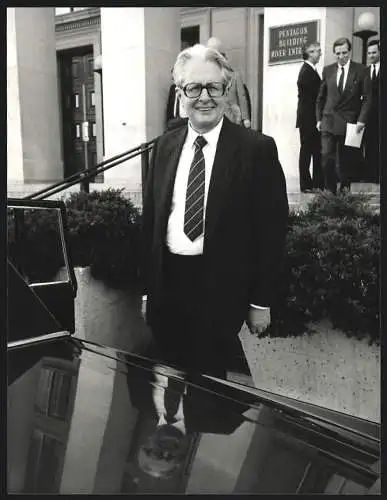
{"x": 200, "y": 142}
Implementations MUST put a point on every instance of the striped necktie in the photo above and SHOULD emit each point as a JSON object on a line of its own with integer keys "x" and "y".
{"x": 341, "y": 81}
{"x": 194, "y": 202}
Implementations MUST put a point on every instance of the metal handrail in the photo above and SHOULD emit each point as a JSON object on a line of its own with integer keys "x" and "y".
{"x": 87, "y": 173}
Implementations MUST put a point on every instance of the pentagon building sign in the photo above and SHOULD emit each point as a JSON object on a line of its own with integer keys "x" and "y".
{"x": 286, "y": 42}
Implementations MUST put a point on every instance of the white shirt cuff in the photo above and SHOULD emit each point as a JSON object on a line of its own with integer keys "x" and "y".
{"x": 259, "y": 307}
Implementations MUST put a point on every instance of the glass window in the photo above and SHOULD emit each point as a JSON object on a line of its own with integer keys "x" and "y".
{"x": 53, "y": 395}
{"x": 92, "y": 98}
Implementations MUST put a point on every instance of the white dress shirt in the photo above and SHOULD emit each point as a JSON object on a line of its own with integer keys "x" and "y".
{"x": 377, "y": 67}
{"x": 346, "y": 69}
{"x": 177, "y": 241}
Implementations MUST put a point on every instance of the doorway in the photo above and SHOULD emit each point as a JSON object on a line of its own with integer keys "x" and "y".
{"x": 190, "y": 35}
{"x": 77, "y": 95}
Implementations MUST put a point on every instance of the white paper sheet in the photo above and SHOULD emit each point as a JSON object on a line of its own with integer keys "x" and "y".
{"x": 352, "y": 138}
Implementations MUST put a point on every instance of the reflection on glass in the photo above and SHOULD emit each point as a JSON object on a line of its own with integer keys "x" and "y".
{"x": 34, "y": 243}
{"x": 53, "y": 393}
{"x": 45, "y": 461}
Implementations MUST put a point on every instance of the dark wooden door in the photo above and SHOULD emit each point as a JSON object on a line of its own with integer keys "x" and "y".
{"x": 78, "y": 110}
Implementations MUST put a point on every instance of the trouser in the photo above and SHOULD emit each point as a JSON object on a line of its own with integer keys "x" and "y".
{"x": 186, "y": 335}
{"x": 310, "y": 147}
{"x": 338, "y": 161}
{"x": 371, "y": 142}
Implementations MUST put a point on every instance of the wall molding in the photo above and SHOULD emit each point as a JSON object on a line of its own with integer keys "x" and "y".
{"x": 74, "y": 21}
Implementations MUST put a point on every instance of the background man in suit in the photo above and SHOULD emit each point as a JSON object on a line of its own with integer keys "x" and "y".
{"x": 308, "y": 84}
{"x": 237, "y": 99}
{"x": 343, "y": 98}
{"x": 371, "y": 133}
{"x": 213, "y": 225}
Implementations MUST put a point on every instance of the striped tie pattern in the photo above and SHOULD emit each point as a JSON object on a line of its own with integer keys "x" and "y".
{"x": 341, "y": 81}
{"x": 194, "y": 202}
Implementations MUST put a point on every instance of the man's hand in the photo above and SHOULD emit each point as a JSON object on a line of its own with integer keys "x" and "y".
{"x": 318, "y": 126}
{"x": 246, "y": 123}
{"x": 258, "y": 320}
{"x": 359, "y": 127}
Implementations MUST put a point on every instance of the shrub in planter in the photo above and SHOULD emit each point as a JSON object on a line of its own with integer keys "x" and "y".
{"x": 331, "y": 269}
{"x": 104, "y": 234}
{"x": 326, "y": 204}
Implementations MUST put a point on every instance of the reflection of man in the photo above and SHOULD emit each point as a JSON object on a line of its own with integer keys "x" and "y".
{"x": 308, "y": 84}
{"x": 182, "y": 412}
{"x": 343, "y": 98}
{"x": 371, "y": 134}
{"x": 214, "y": 224}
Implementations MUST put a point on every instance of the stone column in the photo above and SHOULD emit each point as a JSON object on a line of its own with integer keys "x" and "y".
{"x": 139, "y": 47}
{"x": 33, "y": 136}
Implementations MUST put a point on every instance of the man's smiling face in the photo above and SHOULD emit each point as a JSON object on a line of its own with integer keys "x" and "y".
{"x": 204, "y": 112}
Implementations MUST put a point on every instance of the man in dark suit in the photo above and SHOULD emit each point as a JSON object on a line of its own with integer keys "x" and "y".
{"x": 344, "y": 97}
{"x": 371, "y": 133}
{"x": 213, "y": 225}
{"x": 308, "y": 84}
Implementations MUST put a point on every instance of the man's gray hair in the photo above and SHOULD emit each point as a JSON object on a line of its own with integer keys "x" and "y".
{"x": 207, "y": 54}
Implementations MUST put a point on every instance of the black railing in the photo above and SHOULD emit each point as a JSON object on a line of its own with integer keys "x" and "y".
{"x": 84, "y": 176}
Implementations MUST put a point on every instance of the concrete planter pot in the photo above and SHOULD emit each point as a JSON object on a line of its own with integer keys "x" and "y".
{"x": 108, "y": 316}
{"x": 325, "y": 368}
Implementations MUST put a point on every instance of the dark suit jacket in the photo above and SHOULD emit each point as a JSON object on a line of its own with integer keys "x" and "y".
{"x": 308, "y": 84}
{"x": 335, "y": 110}
{"x": 246, "y": 221}
{"x": 373, "y": 117}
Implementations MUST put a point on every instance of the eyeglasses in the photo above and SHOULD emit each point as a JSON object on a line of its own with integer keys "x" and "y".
{"x": 194, "y": 90}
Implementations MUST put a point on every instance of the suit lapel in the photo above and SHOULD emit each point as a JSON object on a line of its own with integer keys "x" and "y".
{"x": 171, "y": 160}
{"x": 222, "y": 172}
{"x": 334, "y": 86}
{"x": 350, "y": 78}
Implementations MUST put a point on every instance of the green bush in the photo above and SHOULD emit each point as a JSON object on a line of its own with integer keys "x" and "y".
{"x": 331, "y": 268}
{"x": 103, "y": 233}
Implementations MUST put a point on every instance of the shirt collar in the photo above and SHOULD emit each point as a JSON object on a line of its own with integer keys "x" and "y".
{"x": 310, "y": 64}
{"x": 211, "y": 137}
{"x": 377, "y": 66}
{"x": 346, "y": 65}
